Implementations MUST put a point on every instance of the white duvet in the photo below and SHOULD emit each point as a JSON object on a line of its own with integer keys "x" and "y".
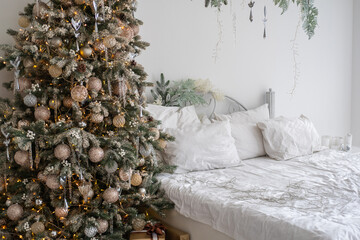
{"x": 307, "y": 198}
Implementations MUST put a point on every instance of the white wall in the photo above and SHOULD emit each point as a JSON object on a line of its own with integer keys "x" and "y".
{"x": 183, "y": 35}
{"x": 355, "y": 127}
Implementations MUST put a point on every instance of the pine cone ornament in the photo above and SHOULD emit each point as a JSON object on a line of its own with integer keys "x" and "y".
{"x": 81, "y": 68}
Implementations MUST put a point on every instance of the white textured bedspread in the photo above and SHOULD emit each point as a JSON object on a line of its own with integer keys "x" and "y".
{"x": 307, "y": 198}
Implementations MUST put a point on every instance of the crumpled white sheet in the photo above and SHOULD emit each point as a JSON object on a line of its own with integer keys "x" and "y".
{"x": 306, "y": 198}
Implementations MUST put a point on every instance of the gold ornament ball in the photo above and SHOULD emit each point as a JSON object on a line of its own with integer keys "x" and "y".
{"x": 56, "y": 42}
{"x": 52, "y": 181}
{"x": 94, "y": 84}
{"x": 54, "y": 103}
{"x": 138, "y": 224}
{"x": 103, "y": 226}
{"x": 42, "y": 113}
{"x": 68, "y": 102}
{"x": 136, "y": 179}
{"x": 96, "y": 154}
{"x": 22, "y": 158}
{"x": 42, "y": 177}
{"x": 24, "y": 83}
{"x": 15, "y": 212}
{"x": 86, "y": 52}
{"x": 61, "y": 212}
{"x": 23, "y": 123}
{"x": 62, "y": 152}
{"x": 109, "y": 41}
{"x": 96, "y": 118}
{"x": 79, "y": 2}
{"x": 162, "y": 143}
{"x": 28, "y": 62}
{"x": 155, "y": 132}
{"x": 24, "y": 22}
{"x": 39, "y": 12}
{"x": 111, "y": 195}
{"x": 79, "y": 93}
{"x": 124, "y": 175}
{"x": 37, "y": 227}
{"x": 119, "y": 121}
{"x": 55, "y": 71}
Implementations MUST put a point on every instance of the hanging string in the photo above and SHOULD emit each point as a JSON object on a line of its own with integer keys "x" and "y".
{"x": 16, "y": 64}
{"x": 76, "y": 25}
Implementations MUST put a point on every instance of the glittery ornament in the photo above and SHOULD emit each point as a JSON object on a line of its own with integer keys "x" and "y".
{"x": 90, "y": 231}
{"x": 136, "y": 29}
{"x": 24, "y": 83}
{"x": 96, "y": 118}
{"x": 52, "y": 181}
{"x": 119, "y": 121}
{"x": 109, "y": 41}
{"x": 55, "y": 71}
{"x": 111, "y": 167}
{"x": 37, "y": 227}
{"x": 136, "y": 179}
{"x": 162, "y": 143}
{"x": 82, "y": 124}
{"x": 99, "y": 46}
{"x": 79, "y": 93}
{"x": 111, "y": 195}
{"x": 79, "y": 2}
{"x": 15, "y": 212}
{"x": 61, "y": 212}
{"x": 30, "y": 100}
{"x": 22, "y": 158}
{"x": 155, "y": 132}
{"x": 42, "y": 113}
{"x": 138, "y": 224}
{"x": 142, "y": 191}
{"x": 56, "y": 42}
{"x": 127, "y": 33}
{"x": 102, "y": 226}
{"x": 24, "y": 22}
{"x": 96, "y": 154}
{"x": 39, "y": 10}
{"x": 28, "y": 62}
{"x": 94, "y": 84}
{"x": 62, "y": 152}
{"x": 42, "y": 177}
{"x": 86, "y": 52}
{"x": 124, "y": 175}
{"x": 68, "y": 102}
{"x": 23, "y": 123}
{"x": 54, "y": 103}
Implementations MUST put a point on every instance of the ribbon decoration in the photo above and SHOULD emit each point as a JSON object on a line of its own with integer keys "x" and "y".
{"x": 96, "y": 16}
{"x": 16, "y": 64}
{"x": 76, "y": 25}
{"x": 154, "y": 230}
{"x": 264, "y": 20}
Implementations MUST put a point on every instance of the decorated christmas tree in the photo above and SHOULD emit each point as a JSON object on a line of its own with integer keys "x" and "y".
{"x": 79, "y": 154}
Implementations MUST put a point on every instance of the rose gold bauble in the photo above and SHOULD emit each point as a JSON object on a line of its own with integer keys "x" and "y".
{"x": 15, "y": 212}
{"x": 61, "y": 212}
{"x": 94, "y": 84}
{"x": 62, "y": 152}
{"x": 86, "y": 52}
{"x": 23, "y": 123}
{"x": 55, "y": 71}
{"x": 22, "y": 158}
{"x": 124, "y": 175}
{"x": 109, "y": 41}
{"x": 103, "y": 226}
{"x": 136, "y": 179}
{"x": 155, "y": 132}
{"x": 54, "y": 103}
{"x": 39, "y": 12}
{"x": 96, "y": 118}
{"x": 53, "y": 182}
{"x": 68, "y": 102}
{"x": 79, "y": 93}
{"x": 24, "y": 22}
{"x": 37, "y": 227}
{"x": 138, "y": 224}
{"x": 162, "y": 143}
{"x": 42, "y": 177}
{"x": 96, "y": 154}
{"x": 119, "y": 121}
{"x": 28, "y": 62}
{"x": 42, "y": 113}
{"x": 127, "y": 33}
{"x": 111, "y": 195}
{"x": 24, "y": 83}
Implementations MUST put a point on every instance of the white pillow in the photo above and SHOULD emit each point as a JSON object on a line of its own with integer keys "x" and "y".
{"x": 202, "y": 147}
{"x": 286, "y": 138}
{"x": 248, "y": 137}
{"x": 173, "y": 117}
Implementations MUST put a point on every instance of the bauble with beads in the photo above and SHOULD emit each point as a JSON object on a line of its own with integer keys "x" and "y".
{"x": 90, "y": 231}
{"x": 37, "y": 228}
{"x": 138, "y": 224}
{"x": 68, "y": 102}
{"x": 30, "y": 100}
{"x": 42, "y": 113}
{"x": 109, "y": 41}
{"x": 96, "y": 118}
{"x": 119, "y": 121}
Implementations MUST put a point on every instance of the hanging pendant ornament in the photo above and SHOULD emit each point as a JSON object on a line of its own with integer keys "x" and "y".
{"x": 265, "y": 21}
{"x": 16, "y": 64}
{"x": 96, "y": 16}
{"x": 251, "y": 5}
{"x": 76, "y": 25}
{"x": 6, "y": 143}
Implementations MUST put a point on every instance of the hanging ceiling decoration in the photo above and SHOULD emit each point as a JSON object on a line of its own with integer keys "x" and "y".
{"x": 309, "y": 12}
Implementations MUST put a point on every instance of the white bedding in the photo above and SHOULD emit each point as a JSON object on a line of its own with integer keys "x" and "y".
{"x": 306, "y": 198}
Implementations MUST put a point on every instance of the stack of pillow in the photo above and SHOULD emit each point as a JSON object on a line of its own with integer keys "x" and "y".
{"x": 229, "y": 139}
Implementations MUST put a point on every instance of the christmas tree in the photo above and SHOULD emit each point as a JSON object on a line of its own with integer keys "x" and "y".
{"x": 79, "y": 154}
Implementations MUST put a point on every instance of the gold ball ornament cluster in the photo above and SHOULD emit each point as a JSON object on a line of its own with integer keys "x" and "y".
{"x": 79, "y": 93}
{"x": 111, "y": 195}
{"x": 42, "y": 113}
{"x": 119, "y": 121}
{"x": 52, "y": 181}
{"x": 37, "y": 228}
{"x": 54, "y": 103}
{"x": 138, "y": 224}
{"x": 24, "y": 83}
{"x": 68, "y": 102}
{"x": 22, "y": 158}
{"x": 62, "y": 152}
{"x": 96, "y": 154}
{"x": 102, "y": 226}
{"x": 15, "y": 212}
{"x": 24, "y": 22}
{"x": 94, "y": 84}
{"x": 96, "y": 118}
{"x": 55, "y": 71}
{"x": 136, "y": 179}
{"x": 86, "y": 52}
{"x": 61, "y": 212}
{"x": 39, "y": 11}
{"x": 109, "y": 41}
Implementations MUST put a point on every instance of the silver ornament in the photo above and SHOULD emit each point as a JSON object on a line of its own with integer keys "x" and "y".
{"x": 90, "y": 231}
{"x": 30, "y": 100}
{"x": 142, "y": 191}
